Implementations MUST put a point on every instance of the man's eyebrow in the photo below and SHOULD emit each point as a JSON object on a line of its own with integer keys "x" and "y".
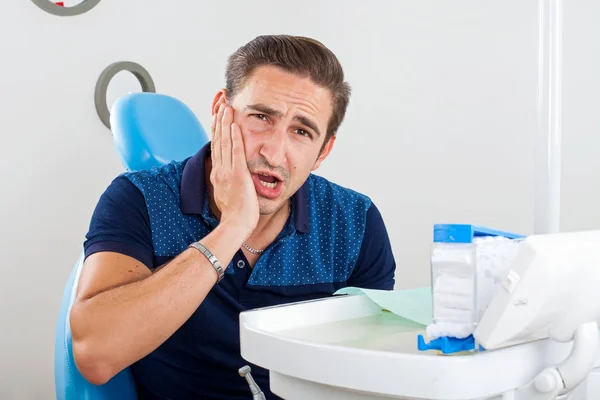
{"x": 308, "y": 122}
{"x": 263, "y": 108}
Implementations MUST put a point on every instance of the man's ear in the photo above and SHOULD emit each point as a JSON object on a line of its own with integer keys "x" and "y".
{"x": 220, "y": 98}
{"x": 325, "y": 152}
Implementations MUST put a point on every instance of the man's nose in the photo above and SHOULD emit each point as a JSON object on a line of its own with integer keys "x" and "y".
{"x": 273, "y": 149}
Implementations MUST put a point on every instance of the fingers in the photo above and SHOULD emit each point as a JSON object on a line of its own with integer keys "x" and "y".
{"x": 214, "y": 121}
{"x": 238, "y": 155}
{"x": 226, "y": 137}
{"x": 216, "y": 141}
{"x": 213, "y": 135}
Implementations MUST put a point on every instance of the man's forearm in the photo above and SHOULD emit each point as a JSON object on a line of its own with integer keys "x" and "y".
{"x": 117, "y": 327}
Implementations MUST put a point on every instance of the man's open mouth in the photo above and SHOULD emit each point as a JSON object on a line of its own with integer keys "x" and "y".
{"x": 267, "y": 185}
{"x": 268, "y": 181}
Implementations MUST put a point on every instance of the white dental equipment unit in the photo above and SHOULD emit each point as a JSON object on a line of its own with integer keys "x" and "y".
{"x": 539, "y": 333}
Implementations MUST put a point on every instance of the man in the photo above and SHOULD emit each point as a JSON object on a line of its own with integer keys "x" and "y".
{"x": 173, "y": 255}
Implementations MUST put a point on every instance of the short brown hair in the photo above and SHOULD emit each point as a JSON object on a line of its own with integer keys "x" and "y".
{"x": 299, "y": 55}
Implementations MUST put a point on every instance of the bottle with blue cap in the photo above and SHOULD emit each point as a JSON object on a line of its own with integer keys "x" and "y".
{"x": 467, "y": 264}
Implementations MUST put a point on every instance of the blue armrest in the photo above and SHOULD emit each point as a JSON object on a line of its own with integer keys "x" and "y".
{"x": 70, "y": 384}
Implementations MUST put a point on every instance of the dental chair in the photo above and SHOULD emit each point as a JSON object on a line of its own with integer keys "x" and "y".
{"x": 148, "y": 130}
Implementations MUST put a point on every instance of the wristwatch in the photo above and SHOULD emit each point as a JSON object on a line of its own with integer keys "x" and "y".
{"x": 213, "y": 260}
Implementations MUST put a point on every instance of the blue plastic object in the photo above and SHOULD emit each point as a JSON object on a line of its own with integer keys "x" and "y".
{"x": 70, "y": 384}
{"x": 149, "y": 130}
{"x": 463, "y": 233}
{"x": 448, "y": 345}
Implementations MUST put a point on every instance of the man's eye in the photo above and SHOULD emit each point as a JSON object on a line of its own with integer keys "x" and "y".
{"x": 262, "y": 117}
{"x": 303, "y": 132}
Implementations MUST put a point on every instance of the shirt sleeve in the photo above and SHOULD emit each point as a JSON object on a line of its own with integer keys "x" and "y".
{"x": 376, "y": 266}
{"x": 120, "y": 223}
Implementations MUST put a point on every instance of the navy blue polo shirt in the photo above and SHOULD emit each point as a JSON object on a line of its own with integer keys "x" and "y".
{"x": 334, "y": 238}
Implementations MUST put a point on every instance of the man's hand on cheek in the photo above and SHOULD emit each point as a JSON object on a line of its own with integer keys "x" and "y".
{"x": 234, "y": 191}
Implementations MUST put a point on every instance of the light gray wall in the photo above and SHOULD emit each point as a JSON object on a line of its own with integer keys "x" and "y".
{"x": 440, "y": 128}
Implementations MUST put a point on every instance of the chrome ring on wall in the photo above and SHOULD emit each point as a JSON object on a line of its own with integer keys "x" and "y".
{"x": 142, "y": 75}
{"x": 62, "y": 11}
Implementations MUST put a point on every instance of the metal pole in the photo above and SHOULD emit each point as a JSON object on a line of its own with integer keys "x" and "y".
{"x": 548, "y": 138}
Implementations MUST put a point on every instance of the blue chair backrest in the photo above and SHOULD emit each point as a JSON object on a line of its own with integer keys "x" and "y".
{"x": 149, "y": 130}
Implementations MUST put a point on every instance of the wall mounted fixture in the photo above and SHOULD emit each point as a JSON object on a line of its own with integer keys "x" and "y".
{"x": 142, "y": 75}
{"x": 58, "y": 8}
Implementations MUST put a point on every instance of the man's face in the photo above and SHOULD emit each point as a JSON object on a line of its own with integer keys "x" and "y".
{"x": 283, "y": 119}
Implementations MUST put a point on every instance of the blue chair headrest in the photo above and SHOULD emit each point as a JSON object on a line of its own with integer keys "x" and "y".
{"x": 151, "y": 129}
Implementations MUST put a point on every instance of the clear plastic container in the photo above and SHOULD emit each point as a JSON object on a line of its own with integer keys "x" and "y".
{"x": 467, "y": 265}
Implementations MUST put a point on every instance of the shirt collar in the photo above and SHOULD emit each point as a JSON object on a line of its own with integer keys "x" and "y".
{"x": 194, "y": 191}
